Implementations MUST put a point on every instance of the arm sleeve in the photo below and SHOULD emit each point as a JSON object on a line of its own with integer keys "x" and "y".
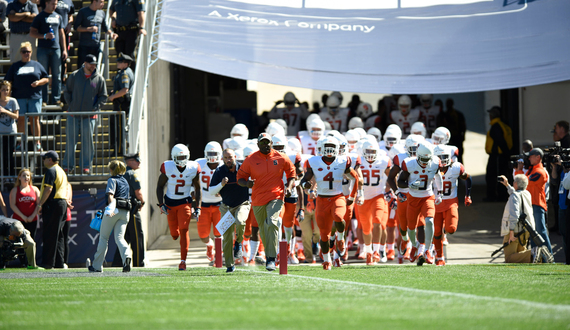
{"x": 215, "y": 189}
{"x": 438, "y": 181}
{"x": 244, "y": 170}
{"x": 404, "y": 167}
{"x": 514, "y": 205}
{"x": 77, "y": 20}
{"x": 43, "y": 71}
{"x": 34, "y": 9}
{"x": 102, "y": 95}
{"x": 111, "y": 186}
{"x": 162, "y": 169}
{"x": 68, "y": 90}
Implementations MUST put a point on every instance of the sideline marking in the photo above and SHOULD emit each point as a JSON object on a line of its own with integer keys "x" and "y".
{"x": 561, "y": 308}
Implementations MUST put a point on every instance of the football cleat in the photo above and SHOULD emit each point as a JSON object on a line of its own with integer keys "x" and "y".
{"x": 440, "y": 262}
{"x": 403, "y": 247}
{"x": 210, "y": 252}
{"x": 400, "y": 259}
{"x": 337, "y": 262}
{"x": 421, "y": 260}
{"x": 238, "y": 261}
{"x": 375, "y": 257}
{"x": 383, "y": 257}
{"x": 391, "y": 254}
{"x": 326, "y": 265}
{"x": 407, "y": 253}
{"x": 260, "y": 260}
{"x": 345, "y": 256}
{"x": 182, "y": 265}
{"x": 429, "y": 257}
{"x": 361, "y": 256}
{"x": 370, "y": 259}
{"x": 292, "y": 259}
{"x": 301, "y": 255}
{"x": 251, "y": 262}
{"x": 413, "y": 256}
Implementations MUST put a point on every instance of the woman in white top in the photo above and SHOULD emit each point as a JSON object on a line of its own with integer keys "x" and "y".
{"x": 9, "y": 112}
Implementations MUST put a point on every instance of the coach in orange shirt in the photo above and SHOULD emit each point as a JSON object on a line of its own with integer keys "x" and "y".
{"x": 263, "y": 172}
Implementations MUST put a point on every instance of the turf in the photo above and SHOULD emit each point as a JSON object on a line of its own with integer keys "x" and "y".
{"x": 353, "y": 297}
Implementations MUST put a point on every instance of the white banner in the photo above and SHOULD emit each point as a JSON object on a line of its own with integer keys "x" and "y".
{"x": 373, "y": 46}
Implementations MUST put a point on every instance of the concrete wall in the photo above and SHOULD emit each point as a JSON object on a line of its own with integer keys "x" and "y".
{"x": 541, "y": 107}
{"x": 155, "y": 145}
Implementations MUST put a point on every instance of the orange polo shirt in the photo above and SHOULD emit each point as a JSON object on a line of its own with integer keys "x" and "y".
{"x": 537, "y": 178}
{"x": 267, "y": 171}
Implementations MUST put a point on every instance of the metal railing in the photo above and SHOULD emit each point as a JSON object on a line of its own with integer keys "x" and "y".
{"x": 9, "y": 166}
{"x": 77, "y": 151}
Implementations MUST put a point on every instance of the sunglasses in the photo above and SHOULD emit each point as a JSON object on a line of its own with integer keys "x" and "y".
{"x": 25, "y": 51}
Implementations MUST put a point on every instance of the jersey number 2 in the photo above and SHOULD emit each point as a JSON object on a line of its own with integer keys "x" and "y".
{"x": 180, "y": 184}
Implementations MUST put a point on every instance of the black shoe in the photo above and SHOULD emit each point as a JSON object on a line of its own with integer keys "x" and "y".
{"x": 93, "y": 270}
{"x": 127, "y": 265}
{"x": 231, "y": 269}
{"x": 237, "y": 250}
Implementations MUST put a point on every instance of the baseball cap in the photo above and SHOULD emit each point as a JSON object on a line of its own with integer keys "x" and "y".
{"x": 264, "y": 136}
{"x": 124, "y": 58}
{"x": 134, "y": 156}
{"x": 536, "y": 152}
{"x": 496, "y": 111}
{"x": 51, "y": 154}
{"x": 91, "y": 59}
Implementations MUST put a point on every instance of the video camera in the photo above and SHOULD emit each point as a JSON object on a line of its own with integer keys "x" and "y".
{"x": 550, "y": 154}
{"x": 10, "y": 250}
{"x": 514, "y": 160}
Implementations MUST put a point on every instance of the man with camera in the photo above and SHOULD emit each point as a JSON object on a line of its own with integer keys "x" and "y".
{"x": 537, "y": 179}
{"x": 14, "y": 236}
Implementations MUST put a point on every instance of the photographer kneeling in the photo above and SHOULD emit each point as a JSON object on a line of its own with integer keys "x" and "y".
{"x": 520, "y": 201}
{"x": 12, "y": 231}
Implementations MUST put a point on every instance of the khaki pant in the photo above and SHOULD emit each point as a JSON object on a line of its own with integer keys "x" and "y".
{"x": 118, "y": 225}
{"x": 310, "y": 234}
{"x": 15, "y": 44}
{"x": 267, "y": 217}
{"x": 240, "y": 213}
{"x": 29, "y": 247}
{"x": 517, "y": 252}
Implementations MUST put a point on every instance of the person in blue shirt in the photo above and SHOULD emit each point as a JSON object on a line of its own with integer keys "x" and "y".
{"x": 27, "y": 76}
{"x": 47, "y": 27}
{"x": 90, "y": 23}
{"x": 21, "y": 14}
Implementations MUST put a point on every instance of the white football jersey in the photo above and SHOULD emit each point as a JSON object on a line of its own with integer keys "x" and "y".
{"x": 450, "y": 180}
{"x": 179, "y": 183}
{"x": 405, "y": 122}
{"x": 418, "y": 173}
{"x": 347, "y": 185}
{"x": 338, "y": 122}
{"x": 329, "y": 177}
{"x": 292, "y": 117}
{"x": 430, "y": 117}
{"x": 372, "y": 121}
{"x": 374, "y": 176}
{"x": 205, "y": 177}
{"x": 399, "y": 161}
{"x": 309, "y": 145}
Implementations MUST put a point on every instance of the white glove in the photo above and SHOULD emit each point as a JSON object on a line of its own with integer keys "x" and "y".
{"x": 438, "y": 199}
{"x": 196, "y": 214}
{"x": 415, "y": 185}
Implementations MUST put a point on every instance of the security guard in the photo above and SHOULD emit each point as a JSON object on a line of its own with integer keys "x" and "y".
{"x": 121, "y": 98}
{"x": 127, "y": 20}
{"x": 134, "y": 234}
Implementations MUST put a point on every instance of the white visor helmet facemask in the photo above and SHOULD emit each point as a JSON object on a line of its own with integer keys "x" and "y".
{"x": 213, "y": 152}
{"x": 444, "y": 154}
{"x": 418, "y": 128}
{"x": 412, "y": 144}
{"x": 423, "y": 155}
{"x": 316, "y": 129}
{"x": 441, "y": 135}
{"x": 239, "y": 130}
{"x": 352, "y": 137}
{"x": 330, "y": 147}
{"x": 376, "y": 132}
{"x": 370, "y": 151}
{"x": 180, "y": 155}
{"x": 279, "y": 143}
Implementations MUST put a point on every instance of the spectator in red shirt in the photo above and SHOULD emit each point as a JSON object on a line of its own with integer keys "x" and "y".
{"x": 23, "y": 201}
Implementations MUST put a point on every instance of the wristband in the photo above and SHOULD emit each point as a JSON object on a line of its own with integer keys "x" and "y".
{"x": 311, "y": 191}
{"x": 160, "y": 205}
{"x": 359, "y": 192}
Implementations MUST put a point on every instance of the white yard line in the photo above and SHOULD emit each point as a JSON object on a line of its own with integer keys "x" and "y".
{"x": 560, "y": 308}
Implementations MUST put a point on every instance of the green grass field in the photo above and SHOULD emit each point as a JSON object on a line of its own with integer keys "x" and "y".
{"x": 352, "y": 297}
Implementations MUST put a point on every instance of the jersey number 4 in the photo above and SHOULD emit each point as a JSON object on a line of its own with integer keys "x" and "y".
{"x": 330, "y": 179}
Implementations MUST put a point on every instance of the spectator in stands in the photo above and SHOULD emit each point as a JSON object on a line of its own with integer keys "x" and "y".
{"x": 53, "y": 205}
{"x": 90, "y": 22}
{"x": 86, "y": 90}
{"x": 24, "y": 198}
{"x": 27, "y": 77}
{"x": 47, "y": 27}
{"x": 121, "y": 98}
{"x": 3, "y": 21}
{"x": 454, "y": 121}
{"x": 127, "y": 19}
{"x": 21, "y": 14}
{"x": 9, "y": 111}
{"x": 65, "y": 9}
{"x": 498, "y": 145}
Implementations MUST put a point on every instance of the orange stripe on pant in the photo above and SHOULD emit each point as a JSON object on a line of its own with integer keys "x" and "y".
{"x": 451, "y": 218}
{"x": 329, "y": 210}
{"x": 178, "y": 221}
{"x": 288, "y": 214}
{"x": 418, "y": 207}
{"x": 209, "y": 216}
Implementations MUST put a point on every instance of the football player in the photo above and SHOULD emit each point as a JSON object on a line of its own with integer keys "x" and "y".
{"x": 337, "y": 117}
{"x": 441, "y": 135}
{"x": 238, "y": 130}
{"x": 329, "y": 171}
{"x": 406, "y": 116}
{"x": 179, "y": 174}
{"x": 418, "y": 174}
{"x": 210, "y": 212}
{"x": 391, "y": 137}
{"x": 373, "y": 213}
{"x": 316, "y": 130}
{"x": 429, "y": 112}
{"x": 446, "y": 212}
{"x": 418, "y": 128}
{"x": 292, "y": 113}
